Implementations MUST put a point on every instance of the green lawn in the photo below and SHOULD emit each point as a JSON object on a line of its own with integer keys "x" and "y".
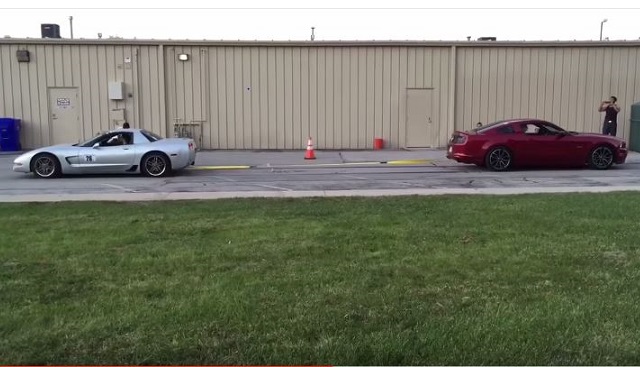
{"x": 531, "y": 280}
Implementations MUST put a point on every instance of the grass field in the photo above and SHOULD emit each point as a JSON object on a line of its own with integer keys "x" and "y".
{"x": 401, "y": 281}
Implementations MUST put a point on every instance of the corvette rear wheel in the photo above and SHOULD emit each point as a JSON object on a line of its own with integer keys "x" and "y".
{"x": 499, "y": 159}
{"x": 601, "y": 157}
{"x": 45, "y": 166}
{"x": 155, "y": 165}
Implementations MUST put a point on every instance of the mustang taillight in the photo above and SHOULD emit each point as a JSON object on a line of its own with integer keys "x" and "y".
{"x": 190, "y": 146}
{"x": 458, "y": 139}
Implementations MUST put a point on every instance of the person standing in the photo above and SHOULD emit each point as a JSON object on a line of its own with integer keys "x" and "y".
{"x": 610, "y": 109}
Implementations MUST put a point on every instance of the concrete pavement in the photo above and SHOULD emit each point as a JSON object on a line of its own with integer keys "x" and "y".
{"x": 333, "y": 173}
{"x": 269, "y": 159}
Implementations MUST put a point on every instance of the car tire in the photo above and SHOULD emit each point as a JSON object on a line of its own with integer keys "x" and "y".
{"x": 45, "y": 165}
{"x": 601, "y": 157}
{"x": 155, "y": 164}
{"x": 499, "y": 159}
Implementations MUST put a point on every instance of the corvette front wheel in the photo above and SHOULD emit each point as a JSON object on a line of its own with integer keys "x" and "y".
{"x": 46, "y": 166}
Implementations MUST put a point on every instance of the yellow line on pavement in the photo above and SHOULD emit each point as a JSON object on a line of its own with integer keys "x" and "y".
{"x": 325, "y": 164}
{"x": 409, "y": 161}
{"x": 397, "y": 163}
{"x": 205, "y": 168}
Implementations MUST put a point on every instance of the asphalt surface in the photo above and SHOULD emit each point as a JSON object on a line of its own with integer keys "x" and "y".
{"x": 410, "y": 176}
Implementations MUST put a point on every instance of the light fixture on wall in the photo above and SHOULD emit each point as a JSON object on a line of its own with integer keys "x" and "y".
{"x": 183, "y": 57}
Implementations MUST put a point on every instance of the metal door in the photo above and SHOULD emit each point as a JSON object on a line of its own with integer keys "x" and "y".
{"x": 64, "y": 116}
{"x": 421, "y": 122}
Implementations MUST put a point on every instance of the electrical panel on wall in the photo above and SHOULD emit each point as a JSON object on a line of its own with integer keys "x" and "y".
{"x": 116, "y": 90}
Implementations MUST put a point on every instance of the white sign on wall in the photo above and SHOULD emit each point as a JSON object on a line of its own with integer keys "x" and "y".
{"x": 63, "y": 102}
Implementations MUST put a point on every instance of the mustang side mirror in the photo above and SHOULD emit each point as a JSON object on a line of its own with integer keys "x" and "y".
{"x": 96, "y": 145}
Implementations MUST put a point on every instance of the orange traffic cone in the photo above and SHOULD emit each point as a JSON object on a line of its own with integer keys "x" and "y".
{"x": 310, "y": 154}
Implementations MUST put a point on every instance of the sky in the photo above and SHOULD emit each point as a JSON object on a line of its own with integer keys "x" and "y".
{"x": 450, "y": 20}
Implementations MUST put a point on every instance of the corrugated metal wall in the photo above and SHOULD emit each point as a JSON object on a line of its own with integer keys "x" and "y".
{"x": 563, "y": 85}
{"x": 275, "y": 97}
{"x": 89, "y": 68}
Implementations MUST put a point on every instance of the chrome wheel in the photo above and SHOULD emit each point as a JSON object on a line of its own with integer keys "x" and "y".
{"x": 45, "y": 166}
{"x": 602, "y": 157}
{"x": 499, "y": 159}
{"x": 155, "y": 165}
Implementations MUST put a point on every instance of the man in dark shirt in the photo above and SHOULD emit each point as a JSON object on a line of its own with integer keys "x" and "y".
{"x": 610, "y": 109}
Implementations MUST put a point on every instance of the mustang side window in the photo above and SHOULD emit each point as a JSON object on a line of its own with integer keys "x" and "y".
{"x": 531, "y": 129}
{"x": 506, "y": 130}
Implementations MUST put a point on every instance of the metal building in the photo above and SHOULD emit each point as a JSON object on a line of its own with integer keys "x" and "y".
{"x": 273, "y": 95}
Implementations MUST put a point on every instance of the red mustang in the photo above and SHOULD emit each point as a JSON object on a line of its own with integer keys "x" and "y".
{"x": 534, "y": 143}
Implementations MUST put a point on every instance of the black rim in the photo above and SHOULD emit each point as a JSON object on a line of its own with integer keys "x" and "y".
{"x": 602, "y": 157}
{"x": 499, "y": 159}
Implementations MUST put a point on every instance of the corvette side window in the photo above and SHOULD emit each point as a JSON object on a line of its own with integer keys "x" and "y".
{"x": 127, "y": 138}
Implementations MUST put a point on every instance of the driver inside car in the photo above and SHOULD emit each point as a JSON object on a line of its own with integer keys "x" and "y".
{"x": 116, "y": 140}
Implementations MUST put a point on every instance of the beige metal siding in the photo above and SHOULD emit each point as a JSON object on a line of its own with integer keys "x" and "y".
{"x": 275, "y": 97}
{"x": 563, "y": 85}
{"x": 88, "y": 68}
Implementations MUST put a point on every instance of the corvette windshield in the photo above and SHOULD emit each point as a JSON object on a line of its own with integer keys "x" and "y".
{"x": 90, "y": 142}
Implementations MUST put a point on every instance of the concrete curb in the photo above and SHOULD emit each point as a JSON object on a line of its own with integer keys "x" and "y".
{"x": 170, "y": 196}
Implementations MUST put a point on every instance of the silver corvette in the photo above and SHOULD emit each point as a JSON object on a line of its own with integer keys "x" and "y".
{"x": 117, "y": 151}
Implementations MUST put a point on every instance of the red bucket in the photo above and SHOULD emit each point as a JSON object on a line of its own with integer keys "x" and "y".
{"x": 378, "y": 143}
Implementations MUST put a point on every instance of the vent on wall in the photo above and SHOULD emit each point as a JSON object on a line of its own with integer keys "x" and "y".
{"x": 23, "y": 56}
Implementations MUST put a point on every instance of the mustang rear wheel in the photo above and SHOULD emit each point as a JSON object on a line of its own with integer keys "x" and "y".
{"x": 601, "y": 157}
{"x": 499, "y": 159}
{"x": 155, "y": 165}
{"x": 45, "y": 166}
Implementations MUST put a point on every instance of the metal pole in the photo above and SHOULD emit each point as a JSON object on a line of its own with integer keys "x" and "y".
{"x": 602, "y": 26}
{"x": 71, "y": 25}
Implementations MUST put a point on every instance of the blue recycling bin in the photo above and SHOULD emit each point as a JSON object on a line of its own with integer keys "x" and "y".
{"x": 10, "y": 134}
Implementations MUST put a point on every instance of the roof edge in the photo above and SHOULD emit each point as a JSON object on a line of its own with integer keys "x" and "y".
{"x": 329, "y": 43}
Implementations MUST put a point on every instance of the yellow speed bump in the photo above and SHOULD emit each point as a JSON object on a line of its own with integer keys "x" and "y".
{"x": 406, "y": 162}
{"x": 207, "y": 168}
